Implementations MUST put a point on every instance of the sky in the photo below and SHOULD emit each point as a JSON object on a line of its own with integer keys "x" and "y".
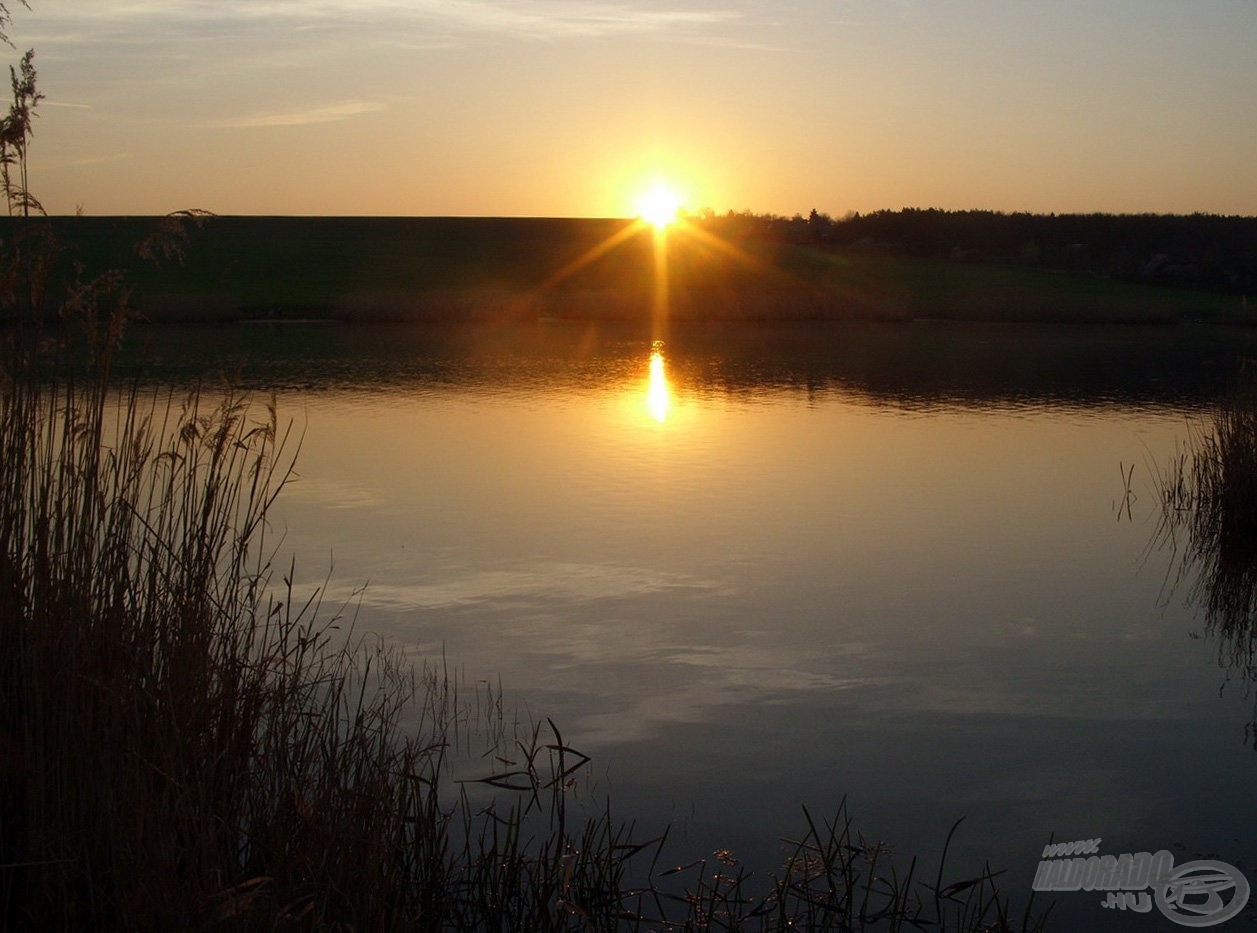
{"x": 573, "y": 107}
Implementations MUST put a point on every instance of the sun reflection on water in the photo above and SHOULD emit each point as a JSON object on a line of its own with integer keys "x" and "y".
{"x": 658, "y": 396}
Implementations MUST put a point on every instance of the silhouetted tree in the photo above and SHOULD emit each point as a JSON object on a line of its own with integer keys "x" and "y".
{"x": 1202, "y": 251}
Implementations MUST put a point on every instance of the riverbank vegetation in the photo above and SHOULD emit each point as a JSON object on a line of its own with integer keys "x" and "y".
{"x": 1209, "y": 524}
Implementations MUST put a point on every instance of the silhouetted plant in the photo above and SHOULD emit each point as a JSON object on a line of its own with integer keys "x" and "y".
{"x": 16, "y": 130}
{"x": 1209, "y": 515}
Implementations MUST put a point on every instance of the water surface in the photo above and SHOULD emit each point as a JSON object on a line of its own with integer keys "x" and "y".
{"x": 792, "y": 564}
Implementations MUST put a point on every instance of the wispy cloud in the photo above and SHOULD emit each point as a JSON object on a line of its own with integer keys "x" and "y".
{"x": 84, "y": 161}
{"x": 329, "y": 114}
{"x": 552, "y": 19}
{"x": 174, "y": 42}
{"x": 528, "y": 19}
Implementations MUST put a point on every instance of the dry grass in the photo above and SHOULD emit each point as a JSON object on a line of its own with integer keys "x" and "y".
{"x": 1209, "y": 520}
{"x": 189, "y": 742}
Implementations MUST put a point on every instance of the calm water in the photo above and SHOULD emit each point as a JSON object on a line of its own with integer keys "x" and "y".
{"x": 793, "y": 564}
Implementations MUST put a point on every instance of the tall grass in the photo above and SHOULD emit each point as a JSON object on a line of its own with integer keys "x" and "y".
{"x": 1209, "y": 515}
{"x": 1211, "y": 492}
{"x": 185, "y": 741}
{"x": 188, "y": 742}
{"x": 171, "y": 726}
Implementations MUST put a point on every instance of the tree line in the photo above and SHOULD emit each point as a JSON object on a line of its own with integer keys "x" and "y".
{"x": 1199, "y": 251}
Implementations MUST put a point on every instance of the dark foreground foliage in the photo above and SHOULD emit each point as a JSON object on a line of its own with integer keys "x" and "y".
{"x": 1209, "y": 521}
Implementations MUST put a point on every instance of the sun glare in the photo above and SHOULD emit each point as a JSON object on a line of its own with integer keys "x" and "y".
{"x": 658, "y": 206}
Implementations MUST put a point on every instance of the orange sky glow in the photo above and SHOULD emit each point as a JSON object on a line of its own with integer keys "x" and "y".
{"x": 575, "y": 107}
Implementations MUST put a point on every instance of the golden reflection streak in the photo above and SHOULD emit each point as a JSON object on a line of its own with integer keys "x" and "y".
{"x": 658, "y": 395}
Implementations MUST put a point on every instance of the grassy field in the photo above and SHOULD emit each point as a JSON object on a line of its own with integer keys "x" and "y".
{"x": 399, "y": 269}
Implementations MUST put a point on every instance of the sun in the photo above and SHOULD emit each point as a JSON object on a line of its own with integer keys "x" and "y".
{"x": 658, "y": 205}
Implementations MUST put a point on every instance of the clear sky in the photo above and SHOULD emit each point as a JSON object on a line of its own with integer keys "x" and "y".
{"x": 571, "y": 107}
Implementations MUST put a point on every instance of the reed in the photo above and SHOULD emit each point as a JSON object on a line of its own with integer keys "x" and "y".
{"x": 834, "y": 878}
{"x": 189, "y": 742}
{"x": 1210, "y": 490}
{"x": 185, "y": 740}
{"x": 1209, "y": 524}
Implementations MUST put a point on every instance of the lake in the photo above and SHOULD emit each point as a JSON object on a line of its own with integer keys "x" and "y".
{"x": 779, "y": 565}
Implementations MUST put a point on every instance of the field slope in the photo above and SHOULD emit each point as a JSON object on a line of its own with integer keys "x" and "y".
{"x": 399, "y": 269}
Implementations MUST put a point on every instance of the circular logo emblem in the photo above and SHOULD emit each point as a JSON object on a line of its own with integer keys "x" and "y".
{"x": 1200, "y": 894}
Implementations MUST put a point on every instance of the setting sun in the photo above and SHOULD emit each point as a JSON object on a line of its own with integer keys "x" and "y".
{"x": 659, "y": 205}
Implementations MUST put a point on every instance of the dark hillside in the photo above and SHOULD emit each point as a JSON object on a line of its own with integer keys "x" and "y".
{"x": 902, "y": 265}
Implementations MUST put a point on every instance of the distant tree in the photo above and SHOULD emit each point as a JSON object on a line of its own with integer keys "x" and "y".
{"x": 820, "y": 226}
{"x": 1203, "y": 251}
